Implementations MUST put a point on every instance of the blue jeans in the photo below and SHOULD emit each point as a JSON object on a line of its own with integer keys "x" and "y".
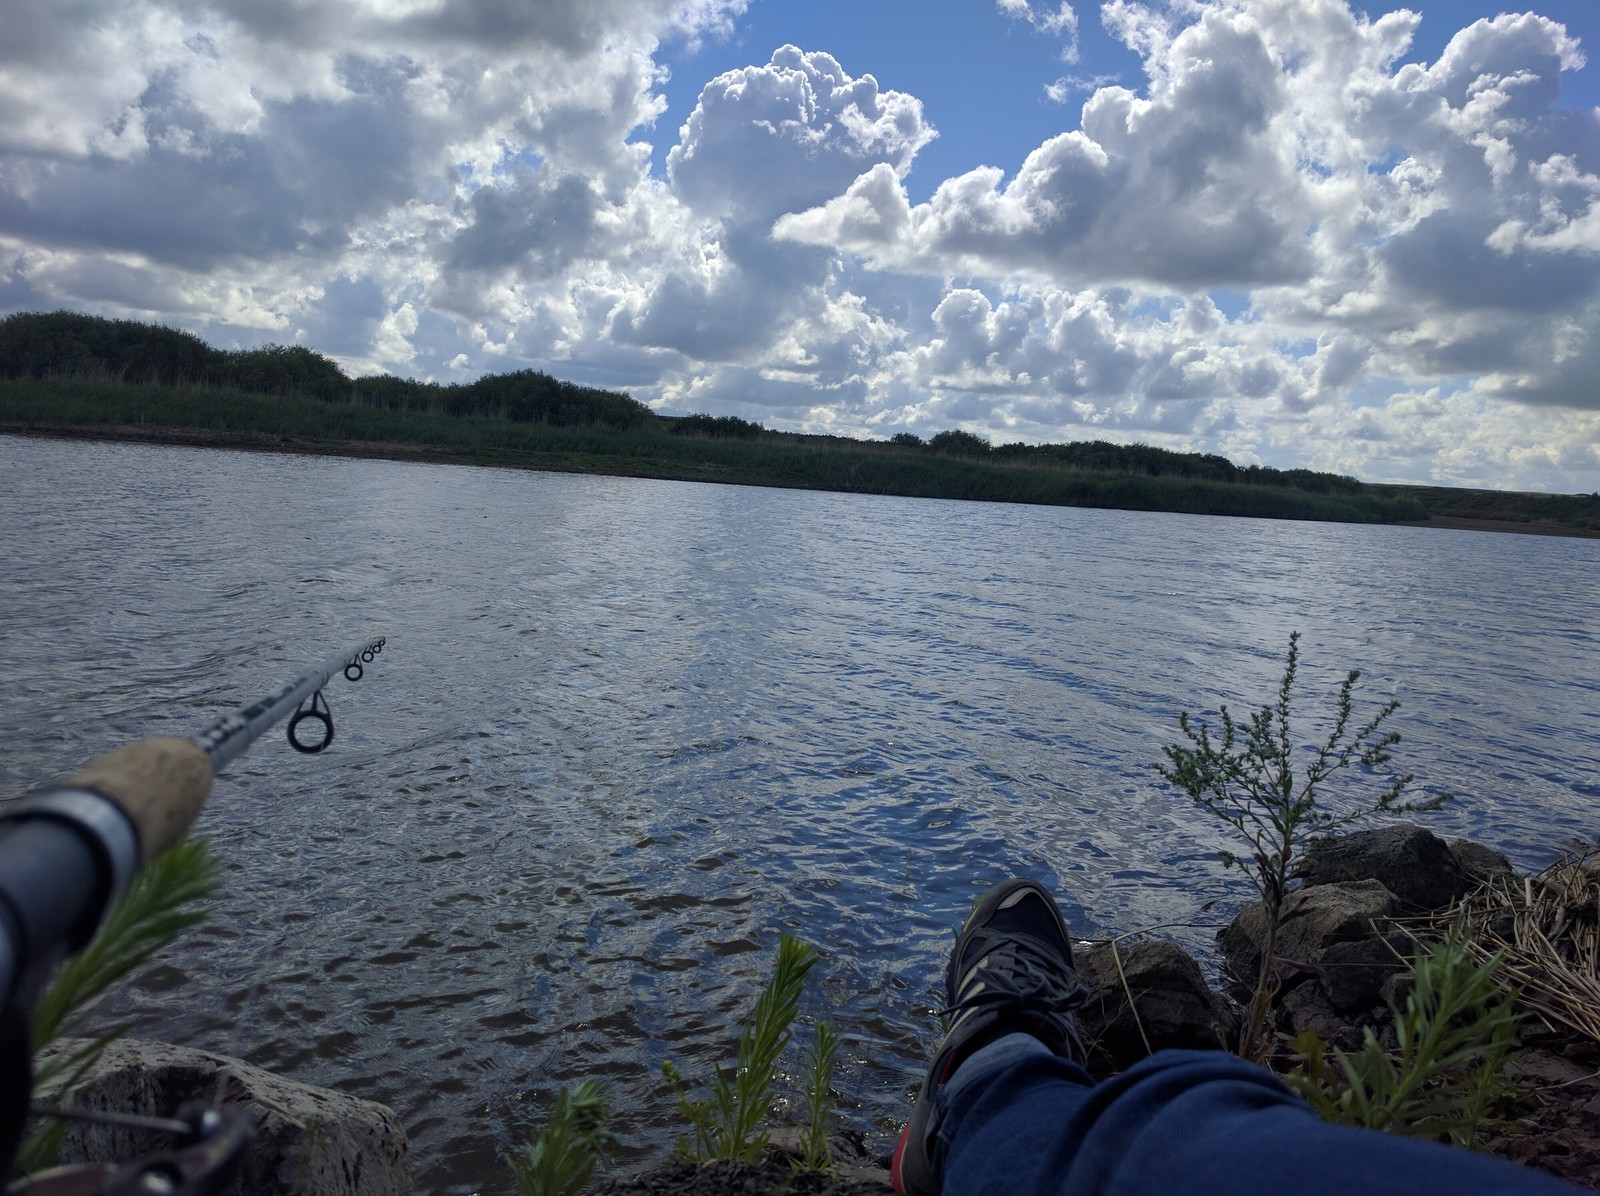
{"x": 1016, "y": 1120}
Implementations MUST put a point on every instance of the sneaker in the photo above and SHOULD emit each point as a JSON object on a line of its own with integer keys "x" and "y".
{"x": 1011, "y": 971}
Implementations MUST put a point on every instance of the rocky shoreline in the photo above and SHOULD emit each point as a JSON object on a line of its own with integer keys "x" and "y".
{"x": 1366, "y": 900}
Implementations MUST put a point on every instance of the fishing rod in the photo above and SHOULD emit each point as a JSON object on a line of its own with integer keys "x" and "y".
{"x": 70, "y": 850}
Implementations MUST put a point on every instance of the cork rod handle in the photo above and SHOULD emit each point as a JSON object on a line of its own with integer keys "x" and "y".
{"x": 160, "y": 784}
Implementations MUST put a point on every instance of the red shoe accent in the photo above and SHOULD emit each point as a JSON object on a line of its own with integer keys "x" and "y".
{"x": 894, "y": 1167}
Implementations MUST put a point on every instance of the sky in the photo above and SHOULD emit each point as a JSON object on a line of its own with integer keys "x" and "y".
{"x": 1299, "y": 233}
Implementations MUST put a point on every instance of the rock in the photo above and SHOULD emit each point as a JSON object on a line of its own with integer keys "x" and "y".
{"x": 1341, "y": 933}
{"x": 1544, "y": 1069}
{"x": 769, "y": 1177}
{"x": 1308, "y": 1008}
{"x": 310, "y": 1141}
{"x": 848, "y": 1164}
{"x": 1353, "y": 973}
{"x": 1482, "y": 865}
{"x": 1174, "y": 1004}
{"x": 1396, "y": 989}
{"x": 1558, "y": 1126}
{"x": 1412, "y": 863}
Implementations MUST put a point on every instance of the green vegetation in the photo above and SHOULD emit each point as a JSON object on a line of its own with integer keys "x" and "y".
{"x": 562, "y": 1157}
{"x": 253, "y": 420}
{"x": 163, "y": 901}
{"x": 727, "y": 1123}
{"x": 1249, "y": 781}
{"x": 64, "y": 370}
{"x": 1565, "y": 510}
{"x": 65, "y": 346}
{"x": 1443, "y": 1074}
{"x": 819, "y": 1100}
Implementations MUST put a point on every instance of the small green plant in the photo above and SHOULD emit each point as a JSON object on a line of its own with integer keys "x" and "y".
{"x": 1444, "y": 1073}
{"x": 164, "y": 900}
{"x": 819, "y": 1104}
{"x": 726, "y": 1124}
{"x": 562, "y": 1157}
{"x": 1249, "y": 780}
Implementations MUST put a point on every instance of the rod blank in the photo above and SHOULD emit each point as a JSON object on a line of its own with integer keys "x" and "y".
{"x": 227, "y": 739}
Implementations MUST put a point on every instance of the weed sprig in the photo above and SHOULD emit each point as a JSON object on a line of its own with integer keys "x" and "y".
{"x": 1249, "y": 780}
{"x": 727, "y": 1123}
{"x": 562, "y": 1157}
{"x": 1443, "y": 1074}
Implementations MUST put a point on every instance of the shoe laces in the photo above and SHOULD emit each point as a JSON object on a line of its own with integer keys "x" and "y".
{"x": 1017, "y": 973}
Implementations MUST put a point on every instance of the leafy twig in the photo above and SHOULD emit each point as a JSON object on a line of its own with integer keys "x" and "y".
{"x": 1249, "y": 781}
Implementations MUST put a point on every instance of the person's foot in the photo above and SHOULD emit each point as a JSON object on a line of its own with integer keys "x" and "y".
{"x": 1010, "y": 972}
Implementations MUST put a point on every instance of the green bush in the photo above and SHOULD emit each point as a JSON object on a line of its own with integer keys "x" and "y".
{"x": 69, "y": 344}
{"x": 1250, "y": 780}
{"x": 287, "y": 370}
{"x": 956, "y": 443}
{"x": 719, "y": 427}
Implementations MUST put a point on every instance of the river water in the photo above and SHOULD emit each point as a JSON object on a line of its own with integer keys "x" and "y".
{"x": 627, "y": 732}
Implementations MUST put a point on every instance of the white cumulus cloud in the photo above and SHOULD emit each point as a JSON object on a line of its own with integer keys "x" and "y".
{"x": 1289, "y": 239}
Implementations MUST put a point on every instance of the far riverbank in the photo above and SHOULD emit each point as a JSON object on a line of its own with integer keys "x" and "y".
{"x": 64, "y": 373}
{"x": 258, "y": 441}
{"x": 1507, "y": 525}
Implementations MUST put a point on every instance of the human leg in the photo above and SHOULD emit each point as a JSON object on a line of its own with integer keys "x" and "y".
{"x": 1008, "y": 1108}
{"x": 1018, "y": 1120}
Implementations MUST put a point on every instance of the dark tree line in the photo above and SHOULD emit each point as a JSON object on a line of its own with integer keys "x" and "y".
{"x": 68, "y": 344}
{"x": 526, "y": 396}
{"x": 1100, "y": 456}
{"x": 719, "y": 427}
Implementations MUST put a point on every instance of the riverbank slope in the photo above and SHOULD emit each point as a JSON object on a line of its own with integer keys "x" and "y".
{"x": 1511, "y": 517}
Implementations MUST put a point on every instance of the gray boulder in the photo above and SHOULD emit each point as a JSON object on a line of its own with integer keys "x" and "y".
{"x": 1307, "y": 1007}
{"x": 309, "y": 1141}
{"x": 1483, "y": 865}
{"x": 1339, "y": 933}
{"x": 1353, "y": 973}
{"x": 1172, "y": 1000}
{"x": 1411, "y": 862}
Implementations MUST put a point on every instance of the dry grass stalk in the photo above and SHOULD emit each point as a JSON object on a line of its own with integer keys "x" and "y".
{"x": 1133, "y": 1005}
{"x": 1547, "y": 926}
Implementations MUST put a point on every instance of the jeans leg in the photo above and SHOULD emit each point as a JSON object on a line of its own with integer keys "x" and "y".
{"x": 1016, "y": 1120}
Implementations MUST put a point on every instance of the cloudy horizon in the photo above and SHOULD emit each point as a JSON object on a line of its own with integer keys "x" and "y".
{"x": 1291, "y": 232}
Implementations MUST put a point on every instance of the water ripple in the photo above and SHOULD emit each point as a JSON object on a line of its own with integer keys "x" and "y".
{"x": 631, "y": 731}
